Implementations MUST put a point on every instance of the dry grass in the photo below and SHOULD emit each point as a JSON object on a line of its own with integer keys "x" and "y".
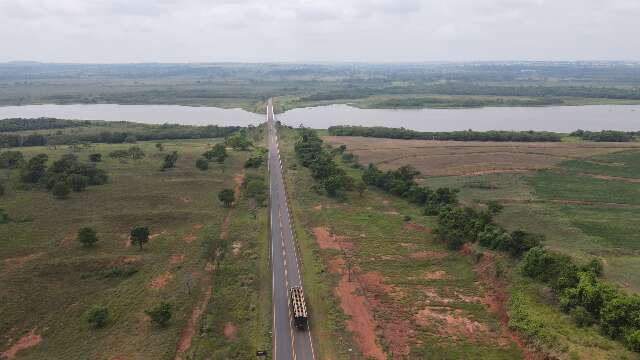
{"x": 451, "y": 158}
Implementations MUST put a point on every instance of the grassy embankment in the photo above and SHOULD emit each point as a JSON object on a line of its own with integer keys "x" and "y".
{"x": 48, "y": 281}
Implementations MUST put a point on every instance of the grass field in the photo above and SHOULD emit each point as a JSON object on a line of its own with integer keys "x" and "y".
{"x": 565, "y": 202}
{"x": 452, "y": 158}
{"x": 48, "y": 281}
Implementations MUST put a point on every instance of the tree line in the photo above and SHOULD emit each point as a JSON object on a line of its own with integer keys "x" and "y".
{"x": 146, "y": 133}
{"x": 313, "y": 155}
{"x": 22, "y": 124}
{"x": 606, "y": 135}
{"x": 467, "y": 135}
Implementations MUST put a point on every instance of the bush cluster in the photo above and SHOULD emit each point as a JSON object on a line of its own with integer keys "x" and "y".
{"x": 582, "y": 294}
{"x": 257, "y": 158}
{"x": 605, "y": 135}
{"x": 311, "y": 153}
{"x": 401, "y": 183}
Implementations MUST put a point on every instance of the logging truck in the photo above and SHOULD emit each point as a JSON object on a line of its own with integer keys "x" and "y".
{"x": 298, "y": 307}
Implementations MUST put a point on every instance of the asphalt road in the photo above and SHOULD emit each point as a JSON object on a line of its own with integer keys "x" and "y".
{"x": 289, "y": 343}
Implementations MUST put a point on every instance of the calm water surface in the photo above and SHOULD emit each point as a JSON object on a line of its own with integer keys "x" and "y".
{"x": 553, "y": 118}
{"x": 147, "y": 114}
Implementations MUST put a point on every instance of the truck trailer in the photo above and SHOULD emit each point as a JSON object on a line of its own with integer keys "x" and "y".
{"x": 298, "y": 307}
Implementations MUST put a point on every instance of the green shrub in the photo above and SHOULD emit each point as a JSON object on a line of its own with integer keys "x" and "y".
{"x": 202, "y": 164}
{"x": 61, "y": 190}
{"x": 581, "y": 316}
{"x": 87, "y": 236}
{"x": 78, "y": 182}
{"x": 98, "y": 316}
{"x": 160, "y": 314}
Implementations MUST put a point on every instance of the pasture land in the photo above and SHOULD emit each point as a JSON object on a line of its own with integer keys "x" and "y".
{"x": 48, "y": 281}
{"x": 456, "y": 158}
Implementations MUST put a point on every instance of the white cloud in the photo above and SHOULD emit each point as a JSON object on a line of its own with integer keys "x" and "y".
{"x": 307, "y": 30}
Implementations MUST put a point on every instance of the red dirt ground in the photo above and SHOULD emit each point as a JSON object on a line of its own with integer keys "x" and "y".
{"x": 176, "y": 259}
{"x": 189, "y": 238}
{"x": 186, "y": 337}
{"x": 161, "y": 281}
{"x": 423, "y": 255}
{"x": 327, "y": 241}
{"x": 417, "y": 227}
{"x": 25, "y": 342}
{"x": 15, "y": 263}
{"x": 435, "y": 275}
{"x": 230, "y": 331}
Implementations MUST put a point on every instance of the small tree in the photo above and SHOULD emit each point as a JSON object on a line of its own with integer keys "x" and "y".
{"x": 159, "y": 146}
{"x": 61, "y": 190}
{"x": 98, "y": 316}
{"x": 140, "y": 235}
{"x": 78, "y": 182}
{"x": 1, "y": 189}
{"x": 360, "y": 187}
{"x": 494, "y": 207}
{"x": 160, "y": 314}
{"x": 227, "y": 197}
{"x": 136, "y": 153}
{"x": 96, "y": 157}
{"x": 170, "y": 160}
{"x": 87, "y": 236}
{"x": 202, "y": 164}
{"x": 4, "y": 218}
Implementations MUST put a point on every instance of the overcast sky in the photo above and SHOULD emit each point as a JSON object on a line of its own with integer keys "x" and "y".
{"x": 318, "y": 30}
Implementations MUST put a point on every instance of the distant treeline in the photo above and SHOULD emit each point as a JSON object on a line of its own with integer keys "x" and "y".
{"x": 535, "y": 91}
{"x": 434, "y": 102}
{"x": 467, "y": 135}
{"x": 142, "y": 133}
{"x": 606, "y": 135}
{"x": 20, "y": 124}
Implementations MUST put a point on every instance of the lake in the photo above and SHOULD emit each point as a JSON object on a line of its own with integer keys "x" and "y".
{"x": 552, "y": 118}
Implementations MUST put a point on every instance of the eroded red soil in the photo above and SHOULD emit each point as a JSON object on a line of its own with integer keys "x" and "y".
{"x": 30, "y": 340}
{"x": 161, "y": 281}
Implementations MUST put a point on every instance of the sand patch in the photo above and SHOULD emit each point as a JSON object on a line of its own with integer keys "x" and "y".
{"x": 67, "y": 240}
{"x": 416, "y": 227}
{"x": 189, "y": 238}
{"x": 435, "y": 275}
{"x": 424, "y": 255}
{"x": 30, "y": 340}
{"x": 230, "y": 331}
{"x": 176, "y": 259}
{"x": 327, "y": 241}
{"x": 16, "y": 263}
{"x": 236, "y": 247}
{"x": 161, "y": 281}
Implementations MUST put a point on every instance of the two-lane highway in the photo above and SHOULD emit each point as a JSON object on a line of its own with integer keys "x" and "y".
{"x": 289, "y": 343}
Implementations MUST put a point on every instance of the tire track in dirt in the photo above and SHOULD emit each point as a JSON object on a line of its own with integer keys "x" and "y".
{"x": 186, "y": 337}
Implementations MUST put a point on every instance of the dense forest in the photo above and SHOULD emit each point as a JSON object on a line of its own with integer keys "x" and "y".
{"x": 467, "y": 135}
{"x": 20, "y": 124}
{"x": 606, "y": 135}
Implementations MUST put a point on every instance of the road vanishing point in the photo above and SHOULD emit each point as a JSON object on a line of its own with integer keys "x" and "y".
{"x": 289, "y": 343}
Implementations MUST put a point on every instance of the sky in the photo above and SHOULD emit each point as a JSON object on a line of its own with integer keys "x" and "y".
{"x": 116, "y": 31}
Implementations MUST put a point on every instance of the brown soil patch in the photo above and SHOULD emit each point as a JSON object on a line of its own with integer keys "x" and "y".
{"x": 416, "y": 227}
{"x": 424, "y": 255}
{"x": 67, "y": 240}
{"x": 129, "y": 259}
{"x": 374, "y": 282}
{"x": 318, "y": 207}
{"x": 189, "y": 238}
{"x": 161, "y": 281}
{"x": 612, "y": 178}
{"x": 198, "y": 226}
{"x": 30, "y": 340}
{"x": 466, "y": 249}
{"x": 186, "y": 337}
{"x": 336, "y": 265}
{"x": 230, "y": 331}
{"x": 117, "y": 357}
{"x": 435, "y": 275}
{"x": 238, "y": 180}
{"x": 15, "y": 263}
{"x": 236, "y": 247}
{"x": 327, "y": 241}
{"x": 209, "y": 267}
{"x": 176, "y": 259}
{"x": 361, "y": 324}
{"x": 496, "y": 300}
{"x": 452, "y": 323}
